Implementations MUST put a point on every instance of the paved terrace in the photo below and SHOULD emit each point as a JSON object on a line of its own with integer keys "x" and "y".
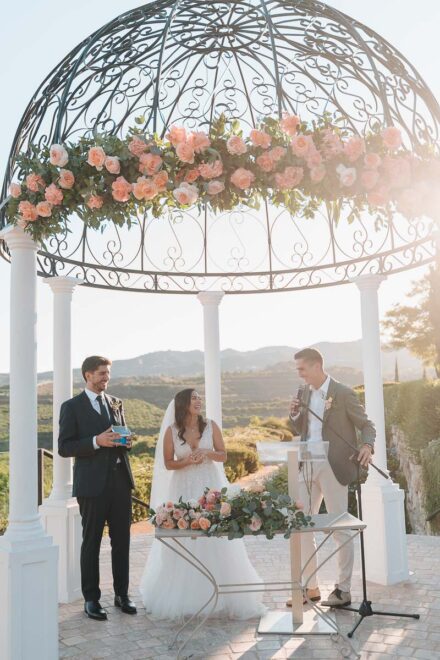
{"x": 138, "y": 637}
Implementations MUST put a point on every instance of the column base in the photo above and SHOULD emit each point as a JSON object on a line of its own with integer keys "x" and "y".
{"x": 62, "y": 520}
{"x": 386, "y": 555}
{"x": 28, "y": 599}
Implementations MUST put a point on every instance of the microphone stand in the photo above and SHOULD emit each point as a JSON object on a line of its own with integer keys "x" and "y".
{"x": 365, "y": 608}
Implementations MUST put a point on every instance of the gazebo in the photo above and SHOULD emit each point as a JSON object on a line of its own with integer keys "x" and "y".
{"x": 184, "y": 62}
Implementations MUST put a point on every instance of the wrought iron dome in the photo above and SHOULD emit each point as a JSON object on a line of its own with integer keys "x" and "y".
{"x": 186, "y": 61}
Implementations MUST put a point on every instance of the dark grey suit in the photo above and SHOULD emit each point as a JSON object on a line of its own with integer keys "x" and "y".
{"x": 344, "y": 416}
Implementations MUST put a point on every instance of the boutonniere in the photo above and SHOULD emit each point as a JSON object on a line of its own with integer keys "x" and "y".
{"x": 116, "y": 406}
{"x": 328, "y": 403}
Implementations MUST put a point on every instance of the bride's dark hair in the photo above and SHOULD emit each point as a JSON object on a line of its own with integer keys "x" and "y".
{"x": 182, "y": 403}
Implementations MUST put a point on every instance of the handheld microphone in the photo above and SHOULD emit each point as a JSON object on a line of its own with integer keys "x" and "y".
{"x": 300, "y": 394}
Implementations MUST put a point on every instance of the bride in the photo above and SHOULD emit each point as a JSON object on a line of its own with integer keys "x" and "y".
{"x": 189, "y": 456}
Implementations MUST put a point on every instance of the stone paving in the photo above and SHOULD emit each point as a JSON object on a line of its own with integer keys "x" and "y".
{"x": 138, "y": 637}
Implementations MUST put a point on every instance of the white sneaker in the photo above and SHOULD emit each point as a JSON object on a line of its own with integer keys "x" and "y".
{"x": 337, "y": 598}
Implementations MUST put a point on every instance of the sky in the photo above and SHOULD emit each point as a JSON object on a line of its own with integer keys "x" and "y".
{"x": 121, "y": 325}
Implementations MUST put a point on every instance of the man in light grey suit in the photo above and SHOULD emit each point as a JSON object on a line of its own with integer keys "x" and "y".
{"x": 343, "y": 417}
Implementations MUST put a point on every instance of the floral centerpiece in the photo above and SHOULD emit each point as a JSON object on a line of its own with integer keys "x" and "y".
{"x": 234, "y": 512}
{"x": 286, "y": 161}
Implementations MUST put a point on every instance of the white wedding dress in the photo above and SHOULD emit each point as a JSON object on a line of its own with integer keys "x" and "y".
{"x": 170, "y": 587}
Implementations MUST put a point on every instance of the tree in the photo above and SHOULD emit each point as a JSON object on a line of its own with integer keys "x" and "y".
{"x": 417, "y": 327}
{"x": 396, "y": 371}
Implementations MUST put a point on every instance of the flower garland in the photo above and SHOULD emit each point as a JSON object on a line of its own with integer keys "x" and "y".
{"x": 286, "y": 162}
{"x": 233, "y": 512}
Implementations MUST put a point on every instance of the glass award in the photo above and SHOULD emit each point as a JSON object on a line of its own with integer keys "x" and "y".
{"x": 123, "y": 431}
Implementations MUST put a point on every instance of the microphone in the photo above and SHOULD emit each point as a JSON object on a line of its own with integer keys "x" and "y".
{"x": 300, "y": 394}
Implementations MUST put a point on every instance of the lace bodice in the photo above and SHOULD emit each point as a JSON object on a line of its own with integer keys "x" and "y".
{"x": 182, "y": 450}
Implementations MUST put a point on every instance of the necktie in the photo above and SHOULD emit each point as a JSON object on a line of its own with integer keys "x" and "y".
{"x": 103, "y": 409}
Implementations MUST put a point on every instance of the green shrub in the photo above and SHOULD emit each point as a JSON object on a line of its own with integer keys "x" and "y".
{"x": 431, "y": 476}
{"x": 242, "y": 460}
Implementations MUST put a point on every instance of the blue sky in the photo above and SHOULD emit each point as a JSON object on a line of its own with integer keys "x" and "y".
{"x": 34, "y": 37}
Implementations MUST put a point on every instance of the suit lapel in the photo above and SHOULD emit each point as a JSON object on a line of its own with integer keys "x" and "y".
{"x": 330, "y": 395}
{"x": 115, "y": 415}
{"x": 306, "y": 401}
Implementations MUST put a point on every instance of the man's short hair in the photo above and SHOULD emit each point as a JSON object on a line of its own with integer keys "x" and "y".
{"x": 92, "y": 363}
{"x": 310, "y": 355}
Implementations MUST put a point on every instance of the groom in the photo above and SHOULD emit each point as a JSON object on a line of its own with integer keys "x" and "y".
{"x": 343, "y": 417}
{"x": 102, "y": 482}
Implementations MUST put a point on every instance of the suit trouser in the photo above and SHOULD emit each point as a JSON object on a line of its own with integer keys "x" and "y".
{"x": 317, "y": 481}
{"x": 113, "y": 506}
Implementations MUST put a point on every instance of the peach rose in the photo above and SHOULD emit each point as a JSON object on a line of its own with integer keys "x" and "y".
{"x": 95, "y": 202}
{"x": 255, "y": 523}
{"x": 34, "y": 182}
{"x": 195, "y": 524}
{"x": 182, "y": 523}
{"x": 392, "y": 137}
{"x": 145, "y": 189}
{"x": 28, "y": 211}
{"x": 185, "y": 152}
{"x": 199, "y": 141}
{"x": 347, "y": 175}
{"x": 260, "y": 138}
{"x": 290, "y": 178}
{"x": 112, "y": 164}
{"x": 15, "y": 190}
{"x": 53, "y": 195}
{"x": 215, "y": 187}
{"x": 186, "y": 194}
{"x": 242, "y": 178}
{"x": 354, "y": 148}
{"x": 161, "y": 180}
{"x": 192, "y": 175}
{"x": 44, "y": 209}
{"x": 332, "y": 145}
{"x": 121, "y": 189}
{"x": 66, "y": 180}
{"x": 236, "y": 145}
{"x": 369, "y": 179}
{"x": 302, "y": 145}
{"x": 372, "y": 161}
{"x": 58, "y": 155}
{"x": 277, "y": 153}
{"x": 204, "y": 523}
{"x": 265, "y": 162}
{"x": 150, "y": 163}
{"x": 168, "y": 524}
{"x": 211, "y": 497}
{"x": 289, "y": 124}
{"x": 96, "y": 157}
{"x": 314, "y": 159}
{"x": 137, "y": 146}
{"x": 211, "y": 171}
{"x": 225, "y": 509}
{"x": 176, "y": 135}
{"x": 318, "y": 173}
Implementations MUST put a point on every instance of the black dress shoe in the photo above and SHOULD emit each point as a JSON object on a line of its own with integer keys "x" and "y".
{"x": 125, "y": 604}
{"x": 94, "y": 610}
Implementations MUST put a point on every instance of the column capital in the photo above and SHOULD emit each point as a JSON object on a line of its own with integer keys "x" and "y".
{"x": 62, "y": 284}
{"x": 15, "y": 237}
{"x": 369, "y": 282}
{"x": 210, "y": 297}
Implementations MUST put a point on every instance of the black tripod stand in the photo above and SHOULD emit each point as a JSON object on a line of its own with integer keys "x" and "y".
{"x": 365, "y": 608}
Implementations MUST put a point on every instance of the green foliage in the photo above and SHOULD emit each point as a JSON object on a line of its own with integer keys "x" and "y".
{"x": 430, "y": 457}
{"x": 242, "y": 460}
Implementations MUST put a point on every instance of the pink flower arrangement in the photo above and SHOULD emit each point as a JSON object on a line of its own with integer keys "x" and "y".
{"x": 66, "y": 180}
{"x": 96, "y": 157}
{"x": 28, "y": 211}
{"x": 289, "y": 124}
{"x": 53, "y": 195}
{"x": 289, "y": 178}
{"x": 137, "y": 146}
{"x": 94, "y": 202}
{"x": 35, "y": 182}
{"x": 112, "y": 165}
{"x": 176, "y": 135}
{"x": 150, "y": 163}
{"x": 302, "y": 145}
{"x": 211, "y": 170}
{"x": 215, "y": 187}
{"x": 145, "y": 189}
{"x": 392, "y": 137}
{"x": 58, "y": 155}
{"x": 260, "y": 138}
{"x": 15, "y": 190}
{"x": 242, "y": 178}
{"x": 186, "y": 194}
{"x": 236, "y": 146}
{"x": 199, "y": 141}
{"x": 44, "y": 209}
{"x": 121, "y": 189}
{"x": 185, "y": 152}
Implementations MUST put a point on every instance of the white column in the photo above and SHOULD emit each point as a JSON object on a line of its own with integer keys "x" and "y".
{"x": 210, "y": 301}
{"x": 28, "y": 558}
{"x": 60, "y": 511}
{"x": 383, "y": 500}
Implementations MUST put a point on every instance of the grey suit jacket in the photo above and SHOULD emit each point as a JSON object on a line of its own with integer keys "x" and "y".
{"x": 344, "y": 416}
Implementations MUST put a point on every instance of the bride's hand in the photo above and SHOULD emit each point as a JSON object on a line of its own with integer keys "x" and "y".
{"x": 195, "y": 459}
{"x": 201, "y": 453}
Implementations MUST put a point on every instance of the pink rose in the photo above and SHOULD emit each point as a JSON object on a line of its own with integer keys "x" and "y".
{"x": 137, "y": 146}
{"x": 354, "y": 148}
{"x": 314, "y": 159}
{"x": 176, "y": 135}
{"x": 211, "y": 171}
{"x": 185, "y": 152}
{"x": 260, "y": 138}
{"x": 121, "y": 189}
{"x": 265, "y": 162}
{"x": 289, "y": 178}
{"x": 236, "y": 145}
{"x": 145, "y": 189}
{"x": 332, "y": 145}
{"x": 44, "y": 209}
{"x": 347, "y": 175}
{"x": 161, "y": 180}
{"x": 34, "y": 182}
{"x": 95, "y": 202}
{"x": 58, "y": 155}
{"x": 302, "y": 145}
{"x": 168, "y": 524}
{"x": 289, "y": 124}
{"x": 204, "y": 523}
{"x": 215, "y": 187}
{"x": 53, "y": 195}
{"x": 195, "y": 524}
{"x": 28, "y": 211}
{"x": 96, "y": 157}
{"x": 242, "y": 178}
{"x": 150, "y": 163}
{"x": 372, "y": 161}
{"x": 66, "y": 180}
{"x": 192, "y": 175}
{"x": 186, "y": 194}
{"x": 211, "y": 497}
{"x": 392, "y": 137}
{"x": 182, "y": 523}
{"x": 15, "y": 190}
{"x": 202, "y": 500}
{"x": 225, "y": 509}
{"x": 255, "y": 523}
{"x": 277, "y": 153}
{"x": 199, "y": 141}
{"x": 378, "y": 197}
{"x": 112, "y": 164}
{"x": 369, "y": 179}
{"x": 318, "y": 173}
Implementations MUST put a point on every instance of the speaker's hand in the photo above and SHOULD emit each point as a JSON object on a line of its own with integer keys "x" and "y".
{"x": 364, "y": 455}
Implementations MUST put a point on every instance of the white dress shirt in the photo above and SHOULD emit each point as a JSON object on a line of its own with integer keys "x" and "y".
{"x": 93, "y": 400}
{"x": 317, "y": 404}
